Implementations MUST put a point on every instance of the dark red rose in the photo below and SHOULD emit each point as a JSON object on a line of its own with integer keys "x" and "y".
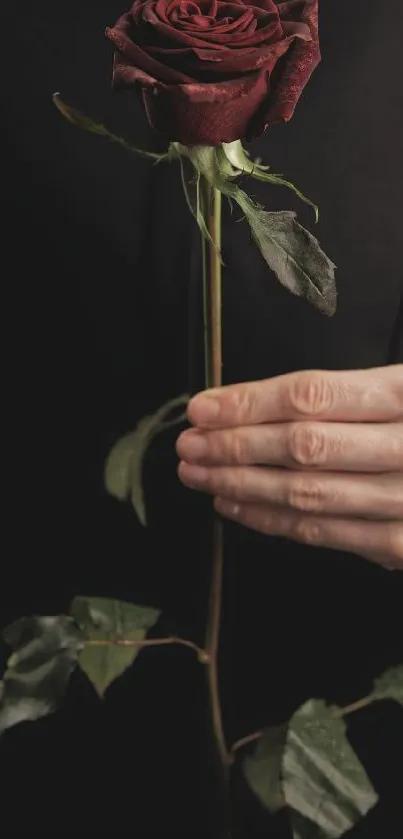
{"x": 210, "y": 71}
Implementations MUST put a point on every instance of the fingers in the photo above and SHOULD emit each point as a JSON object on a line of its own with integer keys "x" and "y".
{"x": 381, "y": 542}
{"x": 350, "y": 447}
{"x": 325, "y": 494}
{"x": 374, "y": 395}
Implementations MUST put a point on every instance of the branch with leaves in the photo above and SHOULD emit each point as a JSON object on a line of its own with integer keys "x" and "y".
{"x": 306, "y": 764}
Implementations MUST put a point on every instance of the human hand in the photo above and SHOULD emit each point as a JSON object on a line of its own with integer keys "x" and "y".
{"x": 331, "y": 448}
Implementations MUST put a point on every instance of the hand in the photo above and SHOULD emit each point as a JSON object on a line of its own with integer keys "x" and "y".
{"x": 331, "y": 448}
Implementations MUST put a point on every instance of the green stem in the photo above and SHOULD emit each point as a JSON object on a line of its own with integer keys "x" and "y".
{"x": 355, "y": 706}
{"x": 150, "y": 642}
{"x": 211, "y": 208}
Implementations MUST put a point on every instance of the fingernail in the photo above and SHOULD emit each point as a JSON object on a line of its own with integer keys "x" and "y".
{"x": 227, "y": 508}
{"x": 203, "y": 409}
{"x": 193, "y": 476}
{"x": 192, "y": 446}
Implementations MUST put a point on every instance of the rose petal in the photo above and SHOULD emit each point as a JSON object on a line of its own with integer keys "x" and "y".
{"x": 176, "y": 51}
{"x": 205, "y": 114}
{"x": 140, "y": 60}
{"x": 296, "y": 69}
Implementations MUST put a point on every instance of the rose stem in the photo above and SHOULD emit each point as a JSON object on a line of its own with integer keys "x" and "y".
{"x": 213, "y": 369}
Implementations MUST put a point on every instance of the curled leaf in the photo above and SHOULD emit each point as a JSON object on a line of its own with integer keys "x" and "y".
{"x": 81, "y": 121}
{"x": 124, "y": 465}
{"x": 38, "y": 671}
{"x": 278, "y": 180}
{"x": 110, "y": 629}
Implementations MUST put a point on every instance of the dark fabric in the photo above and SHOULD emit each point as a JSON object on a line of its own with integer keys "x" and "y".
{"x": 101, "y": 277}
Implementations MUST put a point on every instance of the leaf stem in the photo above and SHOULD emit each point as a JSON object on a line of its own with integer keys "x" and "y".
{"x": 202, "y": 655}
{"x": 355, "y": 706}
{"x": 244, "y": 741}
{"x": 211, "y": 208}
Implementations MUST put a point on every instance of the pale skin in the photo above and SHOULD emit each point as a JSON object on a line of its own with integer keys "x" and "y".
{"x": 314, "y": 456}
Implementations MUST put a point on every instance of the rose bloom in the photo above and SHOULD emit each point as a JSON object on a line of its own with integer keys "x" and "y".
{"x": 209, "y": 71}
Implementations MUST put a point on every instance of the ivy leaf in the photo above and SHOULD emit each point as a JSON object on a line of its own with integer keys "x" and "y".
{"x": 390, "y": 685}
{"x": 39, "y": 669}
{"x": 262, "y": 769}
{"x": 322, "y": 781}
{"x": 124, "y": 465}
{"x": 109, "y": 628}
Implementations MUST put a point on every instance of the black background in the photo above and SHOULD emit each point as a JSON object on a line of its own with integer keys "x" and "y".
{"x": 100, "y": 283}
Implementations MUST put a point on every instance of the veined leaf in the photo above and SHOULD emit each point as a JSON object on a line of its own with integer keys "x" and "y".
{"x": 38, "y": 671}
{"x": 294, "y": 255}
{"x": 110, "y": 628}
{"x": 319, "y": 776}
{"x": 124, "y": 465}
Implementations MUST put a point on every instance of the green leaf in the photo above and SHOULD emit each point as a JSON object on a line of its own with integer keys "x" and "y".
{"x": 38, "y": 671}
{"x": 320, "y": 778}
{"x": 290, "y": 251}
{"x": 262, "y": 769}
{"x": 124, "y": 465}
{"x": 109, "y": 628}
{"x": 294, "y": 255}
{"x": 323, "y": 779}
{"x": 81, "y": 121}
{"x": 390, "y": 685}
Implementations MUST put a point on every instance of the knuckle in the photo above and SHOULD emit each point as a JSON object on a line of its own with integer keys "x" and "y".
{"x": 311, "y": 394}
{"x": 239, "y": 449}
{"x": 244, "y": 403}
{"x": 397, "y": 447}
{"x": 395, "y": 546}
{"x": 398, "y": 388}
{"x": 391, "y": 487}
{"x": 307, "y": 444}
{"x": 267, "y": 522}
{"x": 308, "y": 531}
{"x": 233, "y": 483}
{"x": 306, "y": 495}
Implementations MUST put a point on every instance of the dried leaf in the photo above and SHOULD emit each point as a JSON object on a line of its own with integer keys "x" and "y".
{"x": 320, "y": 778}
{"x": 109, "y": 628}
{"x": 38, "y": 671}
{"x": 124, "y": 465}
{"x": 390, "y": 685}
{"x": 81, "y": 121}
